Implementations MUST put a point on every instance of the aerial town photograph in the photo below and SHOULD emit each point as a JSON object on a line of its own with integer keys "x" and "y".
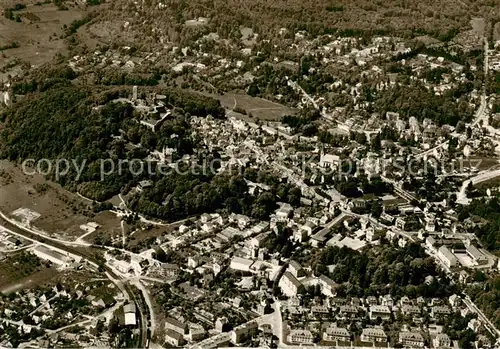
{"x": 250, "y": 173}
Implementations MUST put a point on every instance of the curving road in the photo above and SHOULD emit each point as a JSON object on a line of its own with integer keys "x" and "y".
{"x": 482, "y": 177}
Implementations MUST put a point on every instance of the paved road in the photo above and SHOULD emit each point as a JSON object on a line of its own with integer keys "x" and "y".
{"x": 482, "y": 177}
{"x": 400, "y": 191}
{"x": 489, "y": 325}
{"x": 430, "y": 151}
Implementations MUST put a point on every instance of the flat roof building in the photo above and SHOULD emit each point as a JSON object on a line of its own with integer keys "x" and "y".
{"x": 53, "y": 256}
{"x": 130, "y": 316}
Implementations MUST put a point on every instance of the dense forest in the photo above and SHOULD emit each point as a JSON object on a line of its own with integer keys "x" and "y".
{"x": 180, "y": 195}
{"x": 441, "y": 19}
{"x": 421, "y": 103}
{"x": 489, "y": 230}
{"x": 487, "y": 298}
{"x": 407, "y": 271}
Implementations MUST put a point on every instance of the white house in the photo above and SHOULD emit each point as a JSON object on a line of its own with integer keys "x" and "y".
{"x": 336, "y": 334}
{"x": 373, "y": 335}
{"x": 300, "y": 337}
{"x": 411, "y": 339}
{"x": 329, "y": 160}
{"x": 130, "y": 316}
{"x": 289, "y": 284}
{"x": 441, "y": 341}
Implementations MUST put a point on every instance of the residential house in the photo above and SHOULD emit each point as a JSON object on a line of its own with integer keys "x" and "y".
{"x": 440, "y": 310}
{"x": 387, "y": 300}
{"x": 348, "y": 311}
{"x": 193, "y": 262}
{"x": 289, "y": 284}
{"x": 373, "y": 335}
{"x": 220, "y": 323}
{"x": 176, "y": 325}
{"x": 296, "y": 269}
{"x": 300, "y": 337}
{"x": 441, "y": 340}
{"x": 309, "y": 227}
{"x": 329, "y": 161}
{"x": 411, "y": 339}
{"x": 208, "y": 227}
{"x": 196, "y": 333}
{"x": 240, "y": 333}
{"x": 170, "y": 270}
{"x": 205, "y": 218}
{"x": 174, "y": 338}
{"x": 300, "y": 235}
{"x": 320, "y": 311}
{"x": 355, "y": 301}
{"x": 410, "y": 310}
{"x": 320, "y": 237}
{"x": 421, "y": 301}
{"x": 146, "y": 184}
{"x": 241, "y": 220}
{"x": 400, "y": 223}
{"x": 455, "y": 301}
{"x": 404, "y": 301}
{"x": 327, "y": 286}
{"x": 336, "y": 334}
{"x": 474, "y": 325}
{"x": 381, "y": 311}
{"x": 256, "y": 241}
{"x": 430, "y": 243}
{"x": 284, "y": 213}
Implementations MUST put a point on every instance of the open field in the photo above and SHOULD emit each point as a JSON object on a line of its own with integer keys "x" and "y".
{"x": 21, "y": 270}
{"x": 139, "y": 238}
{"x": 109, "y": 227}
{"x": 481, "y": 163}
{"x": 493, "y": 183}
{"x": 100, "y": 287}
{"x": 38, "y": 34}
{"x": 258, "y": 108}
{"x": 40, "y": 277}
{"x": 61, "y": 212}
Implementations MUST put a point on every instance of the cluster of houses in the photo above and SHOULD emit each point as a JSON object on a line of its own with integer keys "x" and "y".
{"x": 384, "y": 308}
{"x": 179, "y": 333}
{"x": 39, "y": 307}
